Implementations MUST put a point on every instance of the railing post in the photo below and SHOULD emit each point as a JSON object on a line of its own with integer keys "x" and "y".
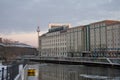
{"x": 7, "y": 73}
{"x": 2, "y": 74}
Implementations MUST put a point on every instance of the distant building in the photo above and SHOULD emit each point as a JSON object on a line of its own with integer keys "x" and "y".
{"x": 1, "y": 51}
{"x": 11, "y": 51}
{"x": 98, "y": 37}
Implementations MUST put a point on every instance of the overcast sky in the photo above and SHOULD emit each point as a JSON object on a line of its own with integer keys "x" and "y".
{"x": 23, "y": 16}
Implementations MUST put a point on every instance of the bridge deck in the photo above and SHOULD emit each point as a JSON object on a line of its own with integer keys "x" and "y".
{"x": 76, "y": 60}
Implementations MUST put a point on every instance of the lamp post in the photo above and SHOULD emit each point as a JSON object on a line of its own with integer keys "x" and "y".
{"x": 38, "y": 31}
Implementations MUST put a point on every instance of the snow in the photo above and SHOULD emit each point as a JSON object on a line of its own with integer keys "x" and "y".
{"x": 16, "y": 45}
{"x": 19, "y": 45}
{"x": 1, "y": 44}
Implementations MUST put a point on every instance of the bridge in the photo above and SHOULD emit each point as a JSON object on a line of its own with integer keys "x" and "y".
{"x": 93, "y": 61}
{"x": 89, "y": 61}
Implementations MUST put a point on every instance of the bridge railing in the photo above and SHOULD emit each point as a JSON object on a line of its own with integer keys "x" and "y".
{"x": 77, "y": 59}
{"x": 73, "y": 59}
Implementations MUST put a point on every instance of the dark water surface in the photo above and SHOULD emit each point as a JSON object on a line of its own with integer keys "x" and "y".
{"x": 77, "y": 72}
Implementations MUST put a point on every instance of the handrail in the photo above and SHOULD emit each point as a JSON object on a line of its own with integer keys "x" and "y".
{"x": 109, "y": 60}
{"x": 76, "y": 59}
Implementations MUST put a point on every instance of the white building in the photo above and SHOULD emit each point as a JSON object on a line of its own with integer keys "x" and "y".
{"x": 62, "y": 41}
{"x": 97, "y": 36}
{"x": 53, "y": 43}
{"x": 75, "y": 40}
{"x": 113, "y": 37}
{"x": 105, "y": 36}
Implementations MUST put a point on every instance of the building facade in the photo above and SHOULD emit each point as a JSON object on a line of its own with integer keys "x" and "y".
{"x": 104, "y": 37}
{"x": 64, "y": 42}
{"x": 97, "y": 38}
{"x": 75, "y": 41}
{"x": 53, "y": 43}
{"x": 113, "y": 37}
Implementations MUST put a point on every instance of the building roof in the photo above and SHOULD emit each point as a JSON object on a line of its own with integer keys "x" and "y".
{"x": 108, "y": 22}
{"x": 16, "y": 45}
{"x": 1, "y": 44}
{"x": 19, "y": 45}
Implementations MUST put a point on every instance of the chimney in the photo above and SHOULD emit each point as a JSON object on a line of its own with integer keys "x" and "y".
{"x": 0, "y": 40}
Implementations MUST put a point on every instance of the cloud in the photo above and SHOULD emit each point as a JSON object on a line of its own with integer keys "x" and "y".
{"x": 24, "y": 16}
{"x": 30, "y": 38}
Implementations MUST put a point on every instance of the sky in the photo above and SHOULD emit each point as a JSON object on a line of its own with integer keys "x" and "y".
{"x": 20, "y": 18}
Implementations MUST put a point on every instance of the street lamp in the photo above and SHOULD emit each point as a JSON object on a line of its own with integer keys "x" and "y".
{"x": 38, "y": 31}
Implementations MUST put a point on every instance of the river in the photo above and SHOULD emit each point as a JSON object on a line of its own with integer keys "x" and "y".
{"x": 77, "y": 72}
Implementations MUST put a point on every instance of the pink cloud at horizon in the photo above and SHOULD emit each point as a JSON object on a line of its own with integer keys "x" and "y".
{"x": 30, "y": 38}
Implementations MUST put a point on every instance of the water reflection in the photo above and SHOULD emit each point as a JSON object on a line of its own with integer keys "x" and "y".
{"x": 77, "y": 72}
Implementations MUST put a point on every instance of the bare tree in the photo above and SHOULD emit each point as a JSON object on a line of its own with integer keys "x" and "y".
{"x": 9, "y": 41}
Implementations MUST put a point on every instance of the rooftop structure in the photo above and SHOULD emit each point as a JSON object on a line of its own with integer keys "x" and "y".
{"x": 58, "y": 27}
{"x": 55, "y": 25}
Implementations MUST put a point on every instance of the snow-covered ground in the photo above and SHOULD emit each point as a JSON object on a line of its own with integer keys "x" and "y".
{"x": 16, "y": 45}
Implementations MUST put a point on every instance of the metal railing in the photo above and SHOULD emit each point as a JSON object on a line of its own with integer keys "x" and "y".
{"x": 78, "y": 59}
{"x": 10, "y": 71}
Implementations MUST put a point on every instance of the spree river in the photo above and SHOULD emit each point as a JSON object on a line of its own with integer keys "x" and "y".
{"x": 77, "y": 72}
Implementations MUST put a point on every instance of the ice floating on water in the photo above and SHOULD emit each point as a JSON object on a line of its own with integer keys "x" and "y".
{"x": 94, "y": 76}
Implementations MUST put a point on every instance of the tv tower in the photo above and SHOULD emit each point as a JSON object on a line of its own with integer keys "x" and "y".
{"x": 38, "y": 31}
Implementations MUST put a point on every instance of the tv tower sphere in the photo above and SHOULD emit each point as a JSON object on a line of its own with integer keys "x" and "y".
{"x": 38, "y": 29}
